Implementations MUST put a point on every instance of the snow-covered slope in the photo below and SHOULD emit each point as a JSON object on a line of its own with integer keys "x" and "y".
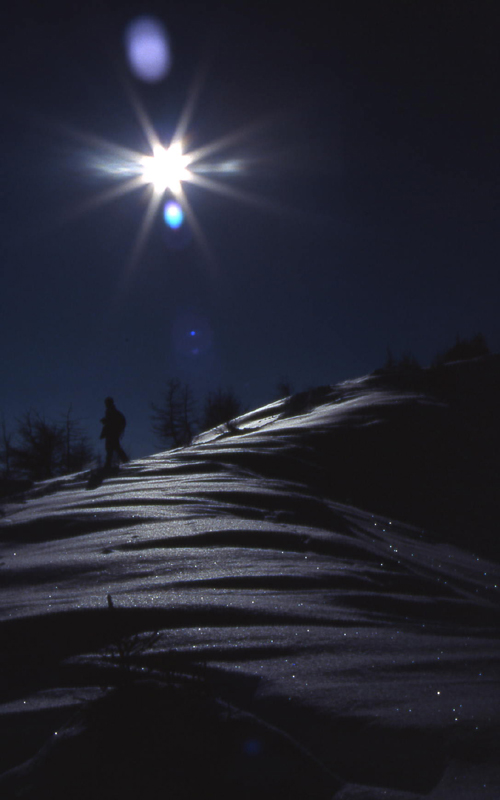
{"x": 304, "y": 605}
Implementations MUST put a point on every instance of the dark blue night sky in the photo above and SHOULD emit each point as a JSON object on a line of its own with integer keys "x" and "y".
{"x": 371, "y": 140}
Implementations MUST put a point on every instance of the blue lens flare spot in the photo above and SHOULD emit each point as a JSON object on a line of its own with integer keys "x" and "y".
{"x": 148, "y": 49}
{"x": 192, "y": 335}
{"x": 252, "y": 747}
{"x": 173, "y": 214}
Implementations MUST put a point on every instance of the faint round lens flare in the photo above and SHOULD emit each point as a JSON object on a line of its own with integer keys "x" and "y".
{"x": 148, "y": 49}
{"x": 174, "y": 217}
{"x": 166, "y": 168}
{"x": 192, "y": 336}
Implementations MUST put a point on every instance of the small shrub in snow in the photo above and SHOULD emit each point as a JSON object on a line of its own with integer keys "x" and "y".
{"x": 463, "y": 350}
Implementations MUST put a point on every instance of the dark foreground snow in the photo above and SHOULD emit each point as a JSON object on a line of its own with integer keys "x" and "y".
{"x": 303, "y": 607}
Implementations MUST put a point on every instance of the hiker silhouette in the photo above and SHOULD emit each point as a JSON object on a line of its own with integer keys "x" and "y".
{"x": 113, "y": 424}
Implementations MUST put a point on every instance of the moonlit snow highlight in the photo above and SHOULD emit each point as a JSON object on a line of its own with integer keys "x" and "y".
{"x": 301, "y": 604}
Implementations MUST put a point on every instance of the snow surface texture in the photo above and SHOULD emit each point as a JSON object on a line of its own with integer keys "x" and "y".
{"x": 302, "y": 605}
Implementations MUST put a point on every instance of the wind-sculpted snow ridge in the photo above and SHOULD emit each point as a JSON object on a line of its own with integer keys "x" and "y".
{"x": 302, "y": 604}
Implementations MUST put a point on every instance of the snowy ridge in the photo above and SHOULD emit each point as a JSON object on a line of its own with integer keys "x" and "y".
{"x": 330, "y": 565}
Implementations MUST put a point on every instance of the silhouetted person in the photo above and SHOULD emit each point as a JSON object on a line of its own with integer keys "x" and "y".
{"x": 113, "y": 426}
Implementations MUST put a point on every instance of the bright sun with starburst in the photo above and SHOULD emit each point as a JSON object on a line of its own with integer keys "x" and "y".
{"x": 163, "y": 172}
{"x": 166, "y": 168}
